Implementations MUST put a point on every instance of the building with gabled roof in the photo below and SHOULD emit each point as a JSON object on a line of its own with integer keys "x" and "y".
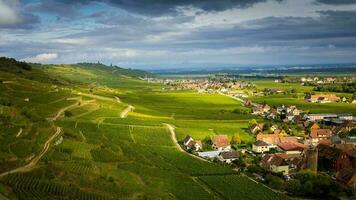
{"x": 221, "y": 142}
{"x": 275, "y": 163}
{"x": 317, "y": 135}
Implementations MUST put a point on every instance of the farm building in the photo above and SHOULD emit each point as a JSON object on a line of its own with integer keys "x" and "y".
{"x": 221, "y": 142}
{"x": 275, "y": 163}
{"x": 229, "y": 156}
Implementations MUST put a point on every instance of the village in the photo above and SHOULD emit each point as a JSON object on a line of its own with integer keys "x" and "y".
{"x": 287, "y": 140}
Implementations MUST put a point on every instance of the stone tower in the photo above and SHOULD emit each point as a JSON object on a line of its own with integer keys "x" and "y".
{"x": 312, "y": 158}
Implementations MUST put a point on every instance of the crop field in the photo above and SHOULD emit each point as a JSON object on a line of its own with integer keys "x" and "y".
{"x": 262, "y": 84}
{"x": 102, "y": 154}
{"x": 277, "y": 100}
{"x": 243, "y": 188}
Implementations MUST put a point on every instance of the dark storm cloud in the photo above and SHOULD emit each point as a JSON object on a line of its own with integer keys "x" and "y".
{"x": 158, "y": 7}
{"x": 145, "y": 7}
{"x": 337, "y": 2}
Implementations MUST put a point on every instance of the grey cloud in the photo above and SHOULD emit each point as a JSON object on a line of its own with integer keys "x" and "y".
{"x": 337, "y": 2}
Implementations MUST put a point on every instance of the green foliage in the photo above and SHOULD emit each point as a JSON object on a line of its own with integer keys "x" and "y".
{"x": 344, "y": 87}
{"x": 236, "y": 139}
{"x": 312, "y": 184}
{"x": 274, "y": 182}
{"x": 10, "y": 64}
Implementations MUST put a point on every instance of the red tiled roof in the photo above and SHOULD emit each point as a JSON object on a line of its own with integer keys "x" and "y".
{"x": 220, "y": 141}
{"x": 315, "y": 133}
{"x": 291, "y": 146}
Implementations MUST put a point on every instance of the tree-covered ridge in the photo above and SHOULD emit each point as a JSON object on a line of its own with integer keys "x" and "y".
{"x": 119, "y": 70}
{"x": 10, "y": 64}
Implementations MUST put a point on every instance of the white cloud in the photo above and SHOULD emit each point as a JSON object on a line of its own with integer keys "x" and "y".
{"x": 8, "y": 12}
{"x": 42, "y": 58}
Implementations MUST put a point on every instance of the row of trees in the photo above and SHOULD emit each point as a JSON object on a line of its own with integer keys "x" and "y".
{"x": 344, "y": 87}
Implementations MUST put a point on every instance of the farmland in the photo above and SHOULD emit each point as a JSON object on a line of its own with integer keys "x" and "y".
{"x": 298, "y": 98}
{"x": 101, "y": 155}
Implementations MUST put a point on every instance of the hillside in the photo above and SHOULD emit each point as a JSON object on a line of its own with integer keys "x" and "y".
{"x": 89, "y": 132}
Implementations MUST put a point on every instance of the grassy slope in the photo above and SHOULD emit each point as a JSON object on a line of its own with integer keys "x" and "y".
{"x": 105, "y": 157}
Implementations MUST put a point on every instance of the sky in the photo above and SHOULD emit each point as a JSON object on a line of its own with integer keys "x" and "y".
{"x": 164, "y": 34}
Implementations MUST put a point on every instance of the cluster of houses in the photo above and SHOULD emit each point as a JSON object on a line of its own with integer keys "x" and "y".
{"x": 221, "y": 148}
{"x": 321, "y": 149}
{"x": 286, "y": 113}
{"x": 226, "y": 86}
{"x": 326, "y": 80}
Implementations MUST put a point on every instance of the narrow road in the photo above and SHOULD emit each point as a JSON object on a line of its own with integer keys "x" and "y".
{"x": 174, "y": 139}
{"x": 37, "y": 158}
{"x": 239, "y": 99}
{"x": 125, "y": 112}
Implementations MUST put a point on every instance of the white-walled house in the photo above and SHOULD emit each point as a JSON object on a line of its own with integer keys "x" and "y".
{"x": 260, "y": 146}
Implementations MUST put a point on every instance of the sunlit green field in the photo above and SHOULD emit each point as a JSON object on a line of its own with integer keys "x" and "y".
{"x": 99, "y": 154}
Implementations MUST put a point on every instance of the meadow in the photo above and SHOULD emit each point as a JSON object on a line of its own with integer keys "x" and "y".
{"x": 101, "y": 155}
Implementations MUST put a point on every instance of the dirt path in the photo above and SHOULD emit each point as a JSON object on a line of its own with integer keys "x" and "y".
{"x": 75, "y": 105}
{"x": 19, "y": 133}
{"x": 117, "y": 99}
{"x": 125, "y": 112}
{"x": 174, "y": 138}
{"x": 37, "y": 158}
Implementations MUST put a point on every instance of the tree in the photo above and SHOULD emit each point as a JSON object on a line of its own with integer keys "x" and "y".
{"x": 236, "y": 139}
{"x": 252, "y": 122}
{"x": 293, "y": 186}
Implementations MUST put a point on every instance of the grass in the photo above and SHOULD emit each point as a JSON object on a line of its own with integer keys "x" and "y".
{"x": 103, "y": 156}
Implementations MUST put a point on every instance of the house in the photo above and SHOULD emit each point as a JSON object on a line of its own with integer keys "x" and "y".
{"x": 266, "y": 108}
{"x": 228, "y": 156}
{"x": 317, "y": 117}
{"x": 350, "y": 150}
{"x": 275, "y": 163}
{"x": 256, "y": 128}
{"x": 290, "y": 116}
{"x": 190, "y": 144}
{"x": 332, "y": 158}
{"x": 187, "y": 139}
{"x": 317, "y": 135}
{"x": 258, "y": 110}
{"x": 260, "y": 146}
{"x": 268, "y": 138}
{"x": 348, "y": 177}
{"x": 247, "y": 102}
{"x": 292, "y": 147}
{"x": 221, "y": 142}
{"x": 323, "y": 98}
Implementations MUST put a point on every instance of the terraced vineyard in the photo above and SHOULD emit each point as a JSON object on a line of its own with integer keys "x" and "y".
{"x": 102, "y": 155}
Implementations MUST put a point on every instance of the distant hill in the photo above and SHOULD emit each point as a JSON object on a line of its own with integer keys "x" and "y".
{"x": 10, "y": 64}
{"x": 118, "y": 70}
